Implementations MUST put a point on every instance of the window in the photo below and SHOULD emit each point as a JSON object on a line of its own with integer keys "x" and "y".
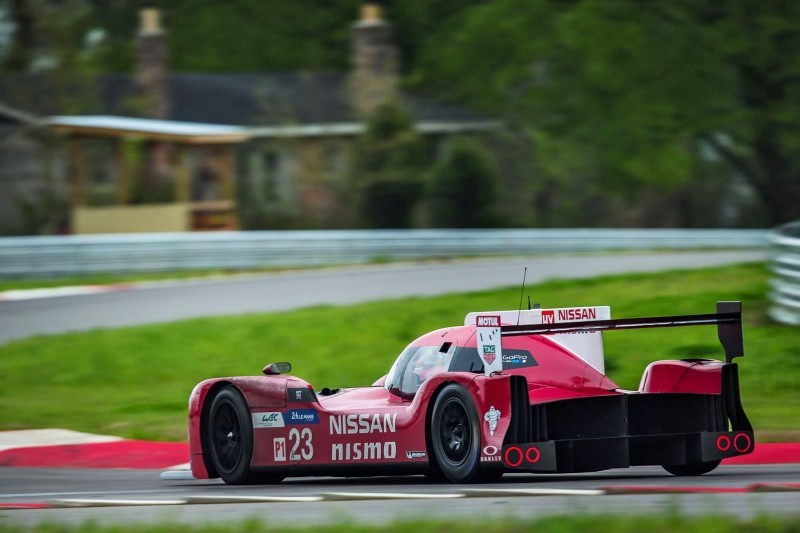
{"x": 417, "y": 364}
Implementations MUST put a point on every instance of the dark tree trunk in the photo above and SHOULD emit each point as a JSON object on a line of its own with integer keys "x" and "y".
{"x": 23, "y": 40}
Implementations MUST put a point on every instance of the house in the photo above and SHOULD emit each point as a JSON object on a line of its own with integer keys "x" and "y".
{"x": 160, "y": 151}
{"x": 29, "y": 162}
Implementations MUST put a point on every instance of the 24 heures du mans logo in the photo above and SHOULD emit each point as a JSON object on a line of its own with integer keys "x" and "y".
{"x": 301, "y": 416}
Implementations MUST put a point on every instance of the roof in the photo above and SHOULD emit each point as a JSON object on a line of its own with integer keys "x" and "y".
{"x": 10, "y": 114}
{"x": 273, "y": 104}
{"x": 162, "y": 130}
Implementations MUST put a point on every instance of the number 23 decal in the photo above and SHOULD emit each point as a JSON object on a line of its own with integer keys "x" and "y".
{"x": 301, "y": 441}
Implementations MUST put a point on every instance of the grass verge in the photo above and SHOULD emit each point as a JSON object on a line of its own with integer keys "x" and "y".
{"x": 135, "y": 382}
{"x": 557, "y": 524}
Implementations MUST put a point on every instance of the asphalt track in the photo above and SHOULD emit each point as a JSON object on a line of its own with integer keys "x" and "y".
{"x": 163, "y": 302}
{"x": 359, "y": 499}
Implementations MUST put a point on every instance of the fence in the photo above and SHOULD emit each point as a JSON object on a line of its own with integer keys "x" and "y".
{"x": 785, "y": 282}
{"x": 85, "y": 254}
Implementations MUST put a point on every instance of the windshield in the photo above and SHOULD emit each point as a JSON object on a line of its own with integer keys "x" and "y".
{"x": 416, "y": 364}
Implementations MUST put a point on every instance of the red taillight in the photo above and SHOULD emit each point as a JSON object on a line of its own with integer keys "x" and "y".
{"x": 536, "y": 455}
{"x": 516, "y": 450}
{"x": 742, "y": 442}
{"x": 723, "y": 443}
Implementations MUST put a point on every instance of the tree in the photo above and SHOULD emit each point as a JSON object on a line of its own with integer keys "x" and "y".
{"x": 23, "y": 39}
{"x": 638, "y": 91}
{"x": 464, "y": 186}
{"x": 389, "y": 163}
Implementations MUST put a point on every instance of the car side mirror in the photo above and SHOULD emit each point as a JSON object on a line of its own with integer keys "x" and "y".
{"x": 274, "y": 369}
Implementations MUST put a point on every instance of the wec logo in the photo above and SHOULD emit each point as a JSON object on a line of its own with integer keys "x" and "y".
{"x": 268, "y": 420}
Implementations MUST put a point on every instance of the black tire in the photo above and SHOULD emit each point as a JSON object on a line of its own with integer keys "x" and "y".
{"x": 691, "y": 469}
{"x": 230, "y": 439}
{"x": 455, "y": 434}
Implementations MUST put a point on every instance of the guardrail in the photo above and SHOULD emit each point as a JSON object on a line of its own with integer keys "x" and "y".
{"x": 85, "y": 254}
{"x": 785, "y": 282}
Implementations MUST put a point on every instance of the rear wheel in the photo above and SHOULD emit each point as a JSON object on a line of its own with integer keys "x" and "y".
{"x": 691, "y": 469}
{"x": 230, "y": 439}
{"x": 455, "y": 434}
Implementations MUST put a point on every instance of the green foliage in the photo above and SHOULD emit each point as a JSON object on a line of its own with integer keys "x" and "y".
{"x": 203, "y": 36}
{"x": 134, "y": 382}
{"x": 626, "y": 101}
{"x": 634, "y": 93}
{"x": 464, "y": 186}
{"x": 46, "y": 212}
{"x": 389, "y": 162}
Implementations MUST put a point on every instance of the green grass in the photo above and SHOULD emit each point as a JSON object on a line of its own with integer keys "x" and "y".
{"x": 634, "y": 523}
{"x": 135, "y": 382}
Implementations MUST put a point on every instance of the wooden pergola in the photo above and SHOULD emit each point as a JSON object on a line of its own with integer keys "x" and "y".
{"x": 182, "y": 138}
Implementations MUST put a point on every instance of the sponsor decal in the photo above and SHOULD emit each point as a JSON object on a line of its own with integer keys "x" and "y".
{"x": 581, "y": 313}
{"x": 489, "y": 353}
{"x": 301, "y": 395}
{"x": 267, "y": 420}
{"x": 518, "y": 359}
{"x": 279, "y": 449}
{"x": 490, "y": 454}
{"x": 492, "y": 416}
{"x": 489, "y": 345}
{"x": 548, "y": 316}
{"x": 301, "y": 416}
{"x": 363, "y": 451}
{"x": 416, "y": 455}
{"x": 488, "y": 321}
{"x": 363, "y": 423}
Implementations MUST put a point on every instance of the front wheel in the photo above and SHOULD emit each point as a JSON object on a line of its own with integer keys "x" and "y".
{"x": 230, "y": 439}
{"x": 455, "y": 434}
{"x": 691, "y": 469}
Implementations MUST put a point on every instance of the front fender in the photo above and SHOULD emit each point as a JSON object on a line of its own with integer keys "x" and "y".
{"x": 260, "y": 392}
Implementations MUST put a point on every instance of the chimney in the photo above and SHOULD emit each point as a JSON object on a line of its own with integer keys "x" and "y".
{"x": 375, "y": 61}
{"x": 151, "y": 63}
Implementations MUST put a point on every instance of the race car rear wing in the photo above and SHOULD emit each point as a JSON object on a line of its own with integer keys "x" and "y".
{"x": 728, "y": 320}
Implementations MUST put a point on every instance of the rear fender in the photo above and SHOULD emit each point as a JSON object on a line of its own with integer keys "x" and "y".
{"x": 700, "y": 376}
{"x": 492, "y": 399}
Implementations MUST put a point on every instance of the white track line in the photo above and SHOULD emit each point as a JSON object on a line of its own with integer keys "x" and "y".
{"x": 98, "y": 502}
{"x": 29, "y": 438}
{"x": 345, "y": 496}
{"x": 182, "y": 466}
{"x": 56, "y": 292}
{"x": 176, "y": 475}
{"x": 483, "y": 493}
{"x": 251, "y": 499}
{"x": 79, "y": 493}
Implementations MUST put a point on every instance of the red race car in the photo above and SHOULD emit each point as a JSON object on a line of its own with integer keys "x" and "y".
{"x": 509, "y": 391}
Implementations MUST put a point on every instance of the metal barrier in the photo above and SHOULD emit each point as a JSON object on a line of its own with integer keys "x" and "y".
{"x": 86, "y": 254}
{"x": 785, "y": 294}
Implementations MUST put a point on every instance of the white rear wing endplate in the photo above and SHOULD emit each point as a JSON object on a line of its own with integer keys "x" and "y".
{"x": 588, "y": 346}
